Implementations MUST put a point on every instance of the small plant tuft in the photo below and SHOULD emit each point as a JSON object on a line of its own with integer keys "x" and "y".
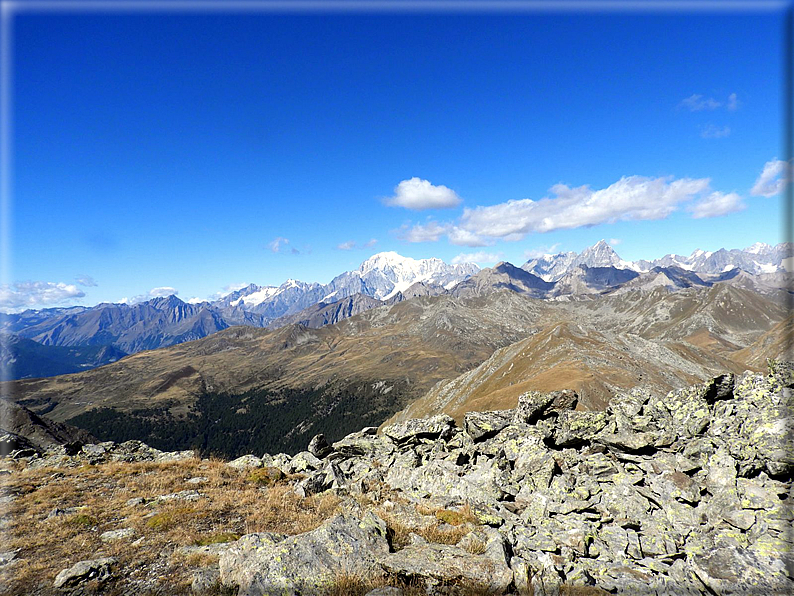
{"x": 266, "y": 476}
{"x": 82, "y": 520}
{"x": 219, "y": 538}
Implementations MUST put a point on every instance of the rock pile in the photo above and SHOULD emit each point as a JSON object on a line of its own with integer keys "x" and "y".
{"x": 688, "y": 493}
{"x": 73, "y": 455}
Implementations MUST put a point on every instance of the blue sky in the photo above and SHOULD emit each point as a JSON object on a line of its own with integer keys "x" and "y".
{"x": 175, "y": 150}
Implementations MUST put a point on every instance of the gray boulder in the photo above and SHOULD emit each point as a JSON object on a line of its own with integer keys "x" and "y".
{"x": 534, "y": 404}
{"x": 429, "y": 428}
{"x": 93, "y": 569}
{"x": 482, "y": 425}
{"x": 306, "y": 563}
{"x": 319, "y": 447}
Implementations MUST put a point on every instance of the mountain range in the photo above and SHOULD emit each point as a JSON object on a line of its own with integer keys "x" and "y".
{"x": 249, "y": 389}
{"x": 757, "y": 259}
{"x": 383, "y": 279}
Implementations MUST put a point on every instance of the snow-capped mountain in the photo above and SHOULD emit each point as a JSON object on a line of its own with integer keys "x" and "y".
{"x": 757, "y": 259}
{"x": 554, "y": 267}
{"x": 381, "y": 277}
{"x": 551, "y": 267}
{"x": 387, "y": 273}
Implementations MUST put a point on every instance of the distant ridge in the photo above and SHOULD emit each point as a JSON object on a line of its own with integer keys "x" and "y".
{"x": 383, "y": 279}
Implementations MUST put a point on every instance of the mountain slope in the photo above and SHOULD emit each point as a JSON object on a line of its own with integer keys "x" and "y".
{"x": 23, "y": 358}
{"x": 659, "y": 340}
{"x": 322, "y": 313}
{"x": 503, "y": 276}
{"x": 131, "y": 328}
{"x": 21, "y": 428}
{"x": 592, "y": 280}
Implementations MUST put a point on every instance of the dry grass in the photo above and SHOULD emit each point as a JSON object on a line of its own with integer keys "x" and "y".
{"x": 355, "y": 585}
{"x": 582, "y": 591}
{"x": 234, "y": 504}
{"x": 450, "y": 526}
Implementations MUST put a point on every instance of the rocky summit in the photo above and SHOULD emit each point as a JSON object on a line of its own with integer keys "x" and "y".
{"x": 684, "y": 493}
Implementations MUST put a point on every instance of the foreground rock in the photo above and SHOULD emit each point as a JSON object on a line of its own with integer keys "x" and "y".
{"x": 95, "y": 569}
{"x": 688, "y": 493}
{"x": 307, "y": 563}
{"x": 77, "y": 454}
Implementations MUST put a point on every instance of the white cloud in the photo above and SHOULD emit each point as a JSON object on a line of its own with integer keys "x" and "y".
{"x": 461, "y": 237}
{"x": 36, "y": 294}
{"x": 536, "y": 253}
{"x": 716, "y": 204}
{"x": 478, "y": 258}
{"x": 86, "y": 280}
{"x": 629, "y": 199}
{"x": 429, "y": 232}
{"x": 733, "y": 102}
{"x": 697, "y": 103}
{"x": 419, "y": 194}
{"x": 196, "y": 300}
{"x": 773, "y": 179}
{"x": 715, "y": 132}
{"x": 277, "y": 244}
{"x": 370, "y": 243}
{"x": 161, "y": 292}
{"x": 614, "y": 241}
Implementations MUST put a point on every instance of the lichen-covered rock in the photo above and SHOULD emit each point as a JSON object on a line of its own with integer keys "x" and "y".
{"x": 430, "y": 428}
{"x": 113, "y": 535}
{"x": 306, "y": 563}
{"x": 732, "y": 570}
{"x": 319, "y": 447}
{"x": 576, "y": 428}
{"x": 437, "y": 565}
{"x": 534, "y": 404}
{"x": 481, "y": 425}
{"x": 245, "y": 462}
{"x": 441, "y": 480}
{"x": 305, "y": 461}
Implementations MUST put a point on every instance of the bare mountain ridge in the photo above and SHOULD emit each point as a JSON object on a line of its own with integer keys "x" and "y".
{"x": 659, "y": 340}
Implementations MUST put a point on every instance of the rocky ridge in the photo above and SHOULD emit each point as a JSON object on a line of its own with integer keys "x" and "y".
{"x": 686, "y": 493}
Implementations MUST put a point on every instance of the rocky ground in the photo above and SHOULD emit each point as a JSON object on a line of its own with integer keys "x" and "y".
{"x": 686, "y": 493}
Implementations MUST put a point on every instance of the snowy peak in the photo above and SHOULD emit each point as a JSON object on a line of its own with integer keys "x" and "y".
{"x": 554, "y": 267}
{"x": 387, "y": 273}
{"x": 759, "y": 248}
{"x": 381, "y": 276}
{"x": 599, "y": 255}
{"x": 387, "y": 260}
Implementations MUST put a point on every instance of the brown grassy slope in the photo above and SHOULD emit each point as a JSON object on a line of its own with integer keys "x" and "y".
{"x": 775, "y": 343}
{"x": 420, "y": 341}
{"x": 233, "y": 503}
